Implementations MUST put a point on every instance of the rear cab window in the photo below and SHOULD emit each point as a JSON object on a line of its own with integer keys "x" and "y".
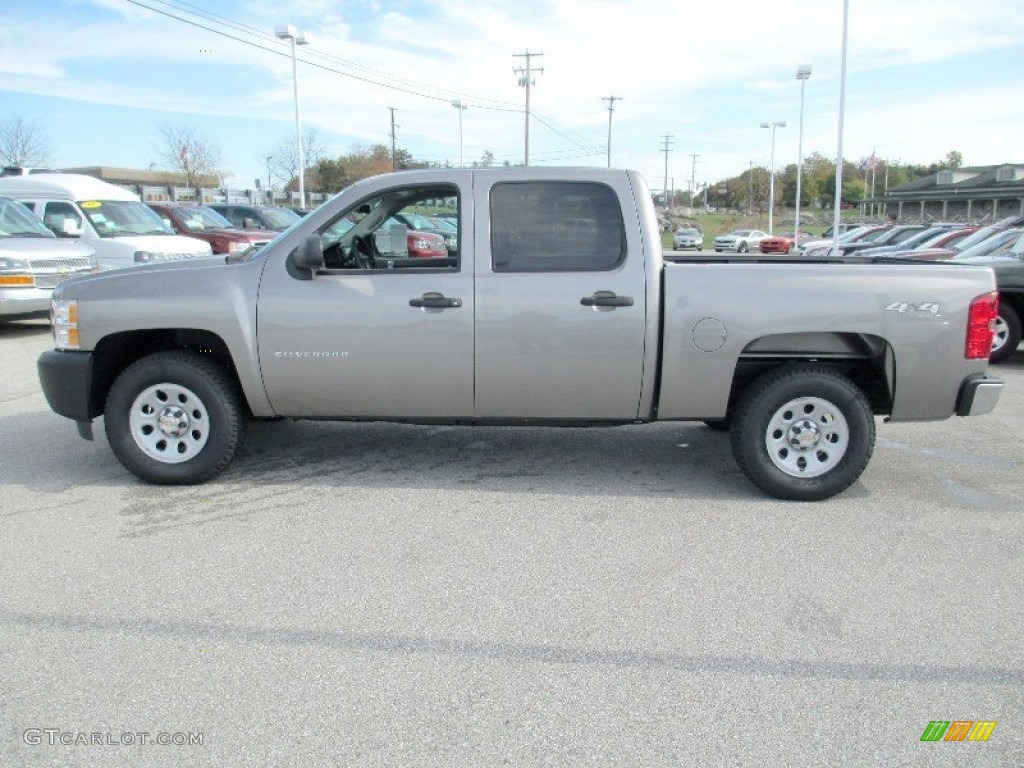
{"x": 555, "y": 226}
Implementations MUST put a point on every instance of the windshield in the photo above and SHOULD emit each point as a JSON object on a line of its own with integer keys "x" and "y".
{"x": 199, "y": 218}
{"x": 980, "y": 236}
{"x": 117, "y": 218}
{"x": 688, "y": 232}
{"x": 17, "y": 221}
{"x": 279, "y": 218}
{"x": 991, "y": 245}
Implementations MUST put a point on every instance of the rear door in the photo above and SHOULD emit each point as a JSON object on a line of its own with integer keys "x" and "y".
{"x": 560, "y": 298}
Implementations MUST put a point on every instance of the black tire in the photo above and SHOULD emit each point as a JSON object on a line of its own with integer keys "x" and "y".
{"x": 1007, "y": 336}
{"x": 812, "y": 453}
{"x": 742, "y": 248}
{"x": 174, "y": 418}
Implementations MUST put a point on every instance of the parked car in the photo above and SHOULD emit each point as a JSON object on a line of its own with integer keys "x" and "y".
{"x": 1007, "y": 262}
{"x": 991, "y": 243}
{"x": 739, "y": 240}
{"x": 814, "y": 249}
{"x": 785, "y": 243}
{"x": 418, "y": 223}
{"x": 916, "y": 239}
{"x": 33, "y": 261}
{"x": 206, "y": 224}
{"x": 892, "y": 236}
{"x": 393, "y": 241}
{"x": 688, "y": 238}
{"x": 271, "y": 217}
{"x": 108, "y": 218}
{"x": 18, "y": 170}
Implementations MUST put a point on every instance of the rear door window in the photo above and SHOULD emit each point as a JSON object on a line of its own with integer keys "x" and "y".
{"x": 556, "y": 226}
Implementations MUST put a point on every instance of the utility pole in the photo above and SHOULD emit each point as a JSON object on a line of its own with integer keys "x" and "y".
{"x": 666, "y": 148}
{"x": 525, "y": 81}
{"x": 693, "y": 179}
{"x": 394, "y": 163}
{"x": 611, "y": 108}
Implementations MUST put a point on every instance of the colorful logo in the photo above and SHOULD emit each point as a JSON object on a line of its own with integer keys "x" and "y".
{"x": 958, "y": 730}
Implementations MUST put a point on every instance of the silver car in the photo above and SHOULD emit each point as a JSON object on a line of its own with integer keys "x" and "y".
{"x": 690, "y": 237}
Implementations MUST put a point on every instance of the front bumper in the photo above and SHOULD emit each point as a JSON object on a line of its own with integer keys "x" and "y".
{"x": 24, "y": 301}
{"x": 66, "y": 379}
{"x": 978, "y": 396}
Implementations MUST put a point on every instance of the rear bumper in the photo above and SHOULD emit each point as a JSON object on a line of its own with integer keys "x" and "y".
{"x": 978, "y": 396}
{"x": 66, "y": 379}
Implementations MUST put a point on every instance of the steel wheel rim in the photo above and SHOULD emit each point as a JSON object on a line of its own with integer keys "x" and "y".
{"x": 1000, "y": 334}
{"x": 169, "y": 423}
{"x": 807, "y": 437}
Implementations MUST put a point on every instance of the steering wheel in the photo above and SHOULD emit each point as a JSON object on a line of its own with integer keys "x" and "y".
{"x": 362, "y": 251}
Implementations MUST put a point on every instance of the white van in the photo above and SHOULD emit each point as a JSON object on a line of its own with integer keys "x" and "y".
{"x": 106, "y": 217}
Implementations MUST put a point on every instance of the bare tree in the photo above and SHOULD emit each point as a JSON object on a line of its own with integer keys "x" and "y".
{"x": 22, "y": 142}
{"x": 185, "y": 150}
{"x": 283, "y": 157}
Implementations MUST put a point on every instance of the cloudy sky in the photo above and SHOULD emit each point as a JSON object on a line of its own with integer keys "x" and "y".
{"x": 924, "y": 77}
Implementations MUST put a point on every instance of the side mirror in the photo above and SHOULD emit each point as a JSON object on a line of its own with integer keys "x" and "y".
{"x": 310, "y": 253}
{"x": 70, "y": 228}
{"x": 248, "y": 223}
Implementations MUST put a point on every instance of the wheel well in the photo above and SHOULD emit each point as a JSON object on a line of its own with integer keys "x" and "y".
{"x": 116, "y": 352}
{"x": 864, "y": 359}
{"x": 1015, "y": 300}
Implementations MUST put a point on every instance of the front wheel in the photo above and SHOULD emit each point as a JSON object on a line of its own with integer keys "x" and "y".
{"x": 803, "y": 433}
{"x": 1006, "y": 336}
{"x": 174, "y": 418}
{"x": 742, "y": 248}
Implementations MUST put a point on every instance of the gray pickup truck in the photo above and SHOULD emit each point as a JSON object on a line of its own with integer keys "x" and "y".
{"x": 556, "y": 308}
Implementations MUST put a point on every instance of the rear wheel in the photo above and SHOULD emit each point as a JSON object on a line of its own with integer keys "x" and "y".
{"x": 1007, "y": 333}
{"x": 742, "y": 248}
{"x": 174, "y": 418}
{"x": 803, "y": 432}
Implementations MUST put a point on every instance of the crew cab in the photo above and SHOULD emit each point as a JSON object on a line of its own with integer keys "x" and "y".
{"x": 557, "y": 309}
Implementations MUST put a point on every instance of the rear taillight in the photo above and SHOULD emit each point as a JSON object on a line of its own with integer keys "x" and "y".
{"x": 981, "y": 321}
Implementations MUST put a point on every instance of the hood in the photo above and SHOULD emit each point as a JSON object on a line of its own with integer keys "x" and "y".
{"x": 43, "y": 247}
{"x": 166, "y": 243}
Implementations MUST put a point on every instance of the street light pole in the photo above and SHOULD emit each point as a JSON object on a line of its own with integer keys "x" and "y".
{"x": 803, "y": 72}
{"x": 462, "y": 108}
{"x": 288, "y": 32}
{"x": 771, "y": 179}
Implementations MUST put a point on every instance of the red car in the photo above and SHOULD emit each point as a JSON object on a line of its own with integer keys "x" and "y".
{"x": 786, "y": 243}
{"x": 206, "y": 224}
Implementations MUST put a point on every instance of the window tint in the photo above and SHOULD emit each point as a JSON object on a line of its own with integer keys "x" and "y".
{"x": 392, "y": 231}
{"x": 555, "y": 226}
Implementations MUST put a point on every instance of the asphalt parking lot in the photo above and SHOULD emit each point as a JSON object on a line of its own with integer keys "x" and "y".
{"x": 377, "y": 595}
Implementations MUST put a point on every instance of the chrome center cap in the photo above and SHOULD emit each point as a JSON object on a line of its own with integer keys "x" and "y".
{"x": 173, "y": 421}
{"x": 804, "y": 435}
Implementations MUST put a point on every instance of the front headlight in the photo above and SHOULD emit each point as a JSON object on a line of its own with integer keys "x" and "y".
{"x": 64, "y": 323}
{"x": 15, "y": 272}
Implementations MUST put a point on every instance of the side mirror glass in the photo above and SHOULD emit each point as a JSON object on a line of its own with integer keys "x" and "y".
{"x": 70, "y": 228}
{"x": 248, "y": 223}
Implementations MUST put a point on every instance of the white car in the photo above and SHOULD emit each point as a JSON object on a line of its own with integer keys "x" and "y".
{"x": 740, "y": 240}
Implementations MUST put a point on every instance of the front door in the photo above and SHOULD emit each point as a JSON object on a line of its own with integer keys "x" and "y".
{"x": 386, "y": 329}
